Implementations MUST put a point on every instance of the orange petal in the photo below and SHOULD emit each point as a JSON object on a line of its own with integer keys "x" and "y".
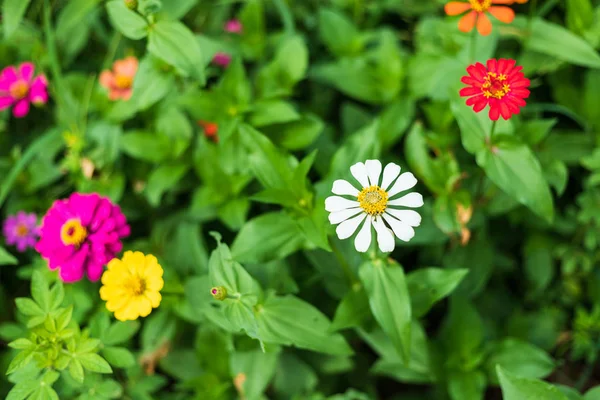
{"x": 503, "y": 14}
{"x": 503, "y": 1}
{"x": 107, "y": 79}
{"x": 467, "y": 23}
{"x": 127, "y": 67}
{"x": 456, "y": 7}
{"x": 484, "y": 25}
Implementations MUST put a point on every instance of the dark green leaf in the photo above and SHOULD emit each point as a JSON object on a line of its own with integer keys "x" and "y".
{"x": 126, "y": 21}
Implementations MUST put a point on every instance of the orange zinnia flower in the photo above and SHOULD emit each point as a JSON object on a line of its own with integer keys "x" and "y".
{"x": 119, "y": 81}
{"x": 478, "y": 14}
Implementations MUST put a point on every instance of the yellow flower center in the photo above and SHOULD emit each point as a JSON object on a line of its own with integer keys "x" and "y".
{"x": 123, "y": 81}
{"x": 21, "y": 230}
{"x": 495, "y": 86}
{"x": 19, "y": 89}
{"x": 73, "y": 233}
{"x": 373, "y": 200}
{"x": 480, "y": 5}
{"x": 136, "y": 285}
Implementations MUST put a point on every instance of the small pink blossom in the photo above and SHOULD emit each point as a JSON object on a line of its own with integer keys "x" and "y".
{"x": 19, "y": 88}
{"x": 119, "y": 81}
{"x": 221, "y": 59}
{"x": 233, "y": 26}
{"x": 21, "y": 230}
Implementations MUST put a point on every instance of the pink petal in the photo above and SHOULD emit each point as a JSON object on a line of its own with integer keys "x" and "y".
{"x": 6, "y": 102}
{"x": 9, "y": 74}
{"x": 38, "y": 93}
{"x": 107, "y": 79}
{"x": 21, "y": 109}
{"x": 26, "y": 71}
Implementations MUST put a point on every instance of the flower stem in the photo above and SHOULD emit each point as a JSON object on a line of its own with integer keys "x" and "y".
{"x": 473, "y": 48}
{"x": 532, "y": 11}
{"x": 52, "y": 54}
{"x": 493, "y": 129}
{"x": 343, "y": 263}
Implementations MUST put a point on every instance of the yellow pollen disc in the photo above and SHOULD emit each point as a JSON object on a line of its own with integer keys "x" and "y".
{"x": 135, "y": 286}
{"x": 480, "y": 5}
{"x": 494, "y": 86}
{"x": 123, "y": 82}
{"x": 21, "y": 230}
{"x": 73, "y": 233}
{"x": 19, "y": 89}
{"x": 373, "y": 200}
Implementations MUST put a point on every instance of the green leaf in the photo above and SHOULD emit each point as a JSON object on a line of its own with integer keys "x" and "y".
{"x": 163, "y": 179}
{"x": 538, "y": 262}
{"x": 29, "y": 307}
{"x": 146, "y": 146}
{"x": 390, "y": 302}
{"x": 515, "y": 169}
{"x": 13, "y": 12}
{"x": 427, "y": 286}
{"x": 95, "y": 363}
{"x": 463, "y": 345}
{"x": 338, "y": 33}
{"x": 474, "y": 127}
{"x": 517, "y": 388}
{"x": 467, "y": 385}
{"x": 287, "y": 68}
{"x": 126, "y": 21}
{"x": 119, "y": 357}
{"x": 76, "y": 370}
{"x": 22, "y": 389}
{"x": 21, "y": 344}
{"x": 21, "y": 360}
{"x": 291, "y": 321}
{"x": 352, "y": 310}
{"x": 40, "y": 290}
{"x": 268, "y": 112}
{"x": 6, "y": 258}
{"x": 120, "y": 332}
{"x": 592, "y": 394}
{"x": 270, "y": 236}
{"x": 174, "y": 43}
{"x": 258, "y": 368}
{"x": 158, "y": 328}
{"x": 520, "y": 358}
{"x": 556, "y": 41}
{"x": 224, "y": 271}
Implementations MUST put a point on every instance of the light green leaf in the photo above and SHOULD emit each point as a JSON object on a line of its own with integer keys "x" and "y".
{"x": 76, "y": 370}
{"x": 177, "y": 45}
{"x": 120, "y": 332}
{"x": 429, "y": 285}
{"x": 224, "y": 271}
{"x": 6, "y": 258}
{"x": 258, "y": 368}
{"x": 40, "y": 290}
{"x": 520, "y": 358}
{"x": 13, "y": 12}
{"x": 517, "y": 388}
{"x": 22, "y": 389}
{"x": 515, "y": 169}
{"x": 29, "y": 307}
{"x": 95, "y": 363}
{"x": 390, "y": 302}
{"x": 467, "y": 385}
{"x": 352, "y": 310}
{"x": 126, "y": 21}
{"x": 146, "y": 146}
{"x": 268, "y": 112}
{"x": 119, "y": 357}
{"x": 554, "y": 40}
{"x": 291, "y": 321}
{"x": 270, "y": 236}
{"x": 338, "y": 33}
{"x": 592, "y": 394}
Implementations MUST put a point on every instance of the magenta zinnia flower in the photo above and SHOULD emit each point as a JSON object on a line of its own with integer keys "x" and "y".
{"x": 221, "y": 59}
{"x": 233, "y": 26}
{"x": 21, "y": 230}
{"x": 18, "y": 88}
{"x": 81, "y": 234}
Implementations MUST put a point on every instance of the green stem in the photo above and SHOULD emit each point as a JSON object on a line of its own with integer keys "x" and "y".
{"x": 473, "y": 47}
{"x": 342, "y": 261}
{"x": 112, "y": 50}
{"x": 493, "y": 129}
{"x": 532, "y": 10}
{"x": 52, "y": 53}
{"x": 286, "y": 16}
{"x": 585, "y": 376}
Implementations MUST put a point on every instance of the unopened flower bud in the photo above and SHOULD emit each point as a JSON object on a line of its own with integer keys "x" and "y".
{"x": 131, "y": 4}
{"x": 219, "y": 293}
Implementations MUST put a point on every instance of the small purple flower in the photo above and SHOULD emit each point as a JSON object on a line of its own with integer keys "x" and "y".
{"x": 21, "y": 230}
{"x": 233, "y": 26}
{"x": 221, "y": 59}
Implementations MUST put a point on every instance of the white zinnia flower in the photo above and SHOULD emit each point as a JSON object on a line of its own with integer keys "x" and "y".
{"x": 374, "y": 205}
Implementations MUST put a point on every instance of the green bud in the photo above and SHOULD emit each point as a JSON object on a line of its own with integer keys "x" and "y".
{"x": 219, "y": 293}
{"x": 131, "y": 4}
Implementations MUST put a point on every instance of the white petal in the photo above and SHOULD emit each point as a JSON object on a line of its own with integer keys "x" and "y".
{"x": 362, "y": 242}
{"x": 402, "y": 231}
{"x": 339, "y": 216}
{"x": 385, "y": 237}
{"x": 359, "y": 172}
{"x": 390, "y": 173}
{"x": 409, "y": 217}
{"x": 344, "y": 187}
{"x": 348, "y": 227}
{"x": 405, "y": 182}
{"x": 337, "y": 203}
{"x": 374, "y": 171}
{"x": 412, "y": 200}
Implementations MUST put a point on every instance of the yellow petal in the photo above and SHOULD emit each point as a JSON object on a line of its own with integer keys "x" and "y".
{"x": 154, "y": 298}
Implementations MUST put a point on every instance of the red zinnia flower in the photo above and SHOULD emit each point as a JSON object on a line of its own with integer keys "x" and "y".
{"x": 501, "y": 85}
{"x": 478, "y": 14}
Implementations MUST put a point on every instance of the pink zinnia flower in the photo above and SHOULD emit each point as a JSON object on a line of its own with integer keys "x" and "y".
{"x": 119, "y": 81}
{"x": 18, "y": 88}
{"x": 81, "y": 234}
{"x": 221, "y": 59}
{"x": 233, "y": 26}
{"x": 21, "y": 230}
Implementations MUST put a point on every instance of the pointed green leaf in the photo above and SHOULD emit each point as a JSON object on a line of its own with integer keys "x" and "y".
{"x": 517, "y": 388}
{"x": 95, "y": 363}
{"x": 126, "y": 21}
{"x": 429, "y": 285}
{"x": 13, "y": 12}
{"x": 6, "y": 258}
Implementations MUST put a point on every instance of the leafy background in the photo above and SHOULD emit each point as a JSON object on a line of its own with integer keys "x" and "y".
{"x": 499, "y": 287}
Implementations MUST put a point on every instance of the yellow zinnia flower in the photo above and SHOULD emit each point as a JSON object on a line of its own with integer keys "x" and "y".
{"x": 131, "y": 286}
